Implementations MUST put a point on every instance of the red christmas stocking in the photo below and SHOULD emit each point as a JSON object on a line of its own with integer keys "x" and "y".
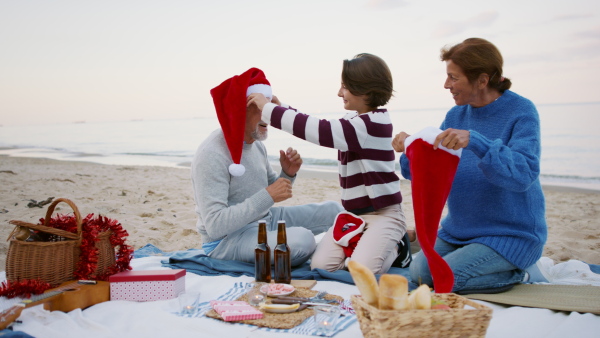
{"x": 432, "y": 173}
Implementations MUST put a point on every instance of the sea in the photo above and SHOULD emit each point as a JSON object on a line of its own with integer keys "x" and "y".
{"x": 570, "y": 141}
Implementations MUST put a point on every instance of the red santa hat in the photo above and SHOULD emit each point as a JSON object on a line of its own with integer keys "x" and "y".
{"x": 347, "y": 231}
{"x": 230, "y": 103}
{"x": 432, "y": 173}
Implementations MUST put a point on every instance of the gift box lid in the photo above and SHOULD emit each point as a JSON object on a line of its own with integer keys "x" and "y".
{"x": 147, "y": 275}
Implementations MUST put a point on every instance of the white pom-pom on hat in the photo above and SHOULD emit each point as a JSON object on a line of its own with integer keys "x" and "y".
{"x": 236, "y": 169}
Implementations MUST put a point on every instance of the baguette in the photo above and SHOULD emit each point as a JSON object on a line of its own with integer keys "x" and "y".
{"x": 365, "y": 282}
{"x": 393, "y": 292}
{"x": 420, "y": 299}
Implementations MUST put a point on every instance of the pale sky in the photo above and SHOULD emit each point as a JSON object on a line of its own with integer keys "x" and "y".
{"x": 75, "y": 60}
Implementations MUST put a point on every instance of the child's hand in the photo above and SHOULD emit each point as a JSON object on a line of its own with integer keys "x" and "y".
{"x": 257, "y": 99}
{"x": 398, "y": 142}
{"x": 276, "y": 100}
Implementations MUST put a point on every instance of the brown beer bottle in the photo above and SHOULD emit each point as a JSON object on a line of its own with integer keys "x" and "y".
{"x": 262, "y": 255}
{"x": 283, "y": 258}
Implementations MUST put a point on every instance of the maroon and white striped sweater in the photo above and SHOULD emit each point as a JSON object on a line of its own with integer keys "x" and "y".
{"x": 366, "y": 158}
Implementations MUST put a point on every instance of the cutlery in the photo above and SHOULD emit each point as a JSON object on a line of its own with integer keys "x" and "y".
{"x": 290, "y": 301}
{"x": 304, "y": 300}
{"x": 318, "y": 298}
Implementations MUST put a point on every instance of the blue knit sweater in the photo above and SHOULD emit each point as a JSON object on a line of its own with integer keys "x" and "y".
{"x": 496, "y": 197}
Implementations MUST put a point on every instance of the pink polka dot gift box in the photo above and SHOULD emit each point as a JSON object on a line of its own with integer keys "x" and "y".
{"x": 147, "y": 285}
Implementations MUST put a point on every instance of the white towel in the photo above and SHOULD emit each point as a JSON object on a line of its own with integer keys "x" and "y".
{"x": 572, "y": 272}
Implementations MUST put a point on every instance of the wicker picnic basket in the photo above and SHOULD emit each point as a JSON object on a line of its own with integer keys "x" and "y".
{"x": 456, "y": 322}
{"x": 55, "y": 259}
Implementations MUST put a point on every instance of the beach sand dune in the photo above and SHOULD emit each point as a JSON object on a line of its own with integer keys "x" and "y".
{"x": 156, "y": 205}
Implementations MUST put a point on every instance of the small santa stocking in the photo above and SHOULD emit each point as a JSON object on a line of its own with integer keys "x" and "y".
{"x": 347, "y": 231}
{"x": 432, "y": 173}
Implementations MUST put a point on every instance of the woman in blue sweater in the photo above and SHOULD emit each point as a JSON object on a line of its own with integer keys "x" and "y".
{"x": 495, "y": 227}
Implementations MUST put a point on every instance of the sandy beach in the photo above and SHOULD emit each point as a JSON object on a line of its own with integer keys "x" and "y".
{"x": 155, "y": 204}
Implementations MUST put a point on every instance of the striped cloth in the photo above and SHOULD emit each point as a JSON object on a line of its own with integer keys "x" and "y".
{"x": 365, "y": 155}
{"x": 307, "y": 327}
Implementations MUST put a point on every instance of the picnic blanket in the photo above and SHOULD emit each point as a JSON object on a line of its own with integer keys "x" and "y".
{"x": 561, "y": 294}
{"x": 157, "y": 318}
{"x": 197, "y": 262}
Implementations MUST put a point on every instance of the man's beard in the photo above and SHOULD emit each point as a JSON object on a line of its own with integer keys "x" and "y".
{"x": 258, "y": 136}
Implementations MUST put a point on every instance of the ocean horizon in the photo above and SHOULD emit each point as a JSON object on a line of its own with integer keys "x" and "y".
{"x": 570, "y": 143}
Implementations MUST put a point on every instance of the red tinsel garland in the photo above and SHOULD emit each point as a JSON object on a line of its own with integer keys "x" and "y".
{"x": 24, "y": 288}
{"x": 88, "y": 258}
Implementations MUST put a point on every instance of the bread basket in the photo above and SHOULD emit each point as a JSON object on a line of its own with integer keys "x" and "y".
{"x": 466, "y": 318}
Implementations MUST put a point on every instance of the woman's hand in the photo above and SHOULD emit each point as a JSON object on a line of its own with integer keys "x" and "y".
{"x": 398, "y": 142}
{"x": 452, "y": 139}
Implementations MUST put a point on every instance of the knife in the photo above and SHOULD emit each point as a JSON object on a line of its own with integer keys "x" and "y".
{"x": 304, "y": 299}
{"x": 291, "y": 301}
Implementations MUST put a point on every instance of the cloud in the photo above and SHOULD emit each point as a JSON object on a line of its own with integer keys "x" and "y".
{"x": 386, "y": 4}
{"x": 589, "y": 50}
{"x": 570, "y": 17}
{"x": 449, "y": 28}
{"x": 593, "y": 33}
{"x": 567, "y": 56}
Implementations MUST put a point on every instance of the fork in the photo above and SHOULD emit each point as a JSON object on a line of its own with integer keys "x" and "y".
{"x": 319, "y": 295}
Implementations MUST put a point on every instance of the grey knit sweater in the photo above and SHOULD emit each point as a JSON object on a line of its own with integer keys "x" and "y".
{"x": 225, "y": 203}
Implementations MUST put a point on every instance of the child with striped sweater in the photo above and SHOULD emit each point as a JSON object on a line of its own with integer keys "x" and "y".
{"x": 366, "y": 161}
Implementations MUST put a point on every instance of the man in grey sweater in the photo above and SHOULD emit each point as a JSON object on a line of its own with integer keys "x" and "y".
{"x": 232, "y": 198}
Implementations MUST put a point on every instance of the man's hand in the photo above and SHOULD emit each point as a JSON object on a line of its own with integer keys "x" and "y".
{"x": 280, "y": 190}
{"x": 257, "y": 99}
{"x": 452, "y": 139}
{"x": 290, "y": 161}
{"x": 398, "y": 142}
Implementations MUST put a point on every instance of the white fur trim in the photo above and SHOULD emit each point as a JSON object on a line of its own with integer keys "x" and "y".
{"x": 237, "y": 169}
{"x": 260, "y": 88}
{"x": 428, "y": 135}
{"x": 355, "y": 230}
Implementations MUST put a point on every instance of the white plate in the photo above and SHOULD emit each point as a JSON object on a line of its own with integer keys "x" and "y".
{"x": 277, "y": 289}
{"x": 279, "y": 308}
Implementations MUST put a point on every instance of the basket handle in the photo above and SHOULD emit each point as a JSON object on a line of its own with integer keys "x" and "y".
{"x": 76, "y": 212}
{"x": 52, "y": 230}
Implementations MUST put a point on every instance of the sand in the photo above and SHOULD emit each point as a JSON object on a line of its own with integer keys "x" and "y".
{"x": 155, "y": 204}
